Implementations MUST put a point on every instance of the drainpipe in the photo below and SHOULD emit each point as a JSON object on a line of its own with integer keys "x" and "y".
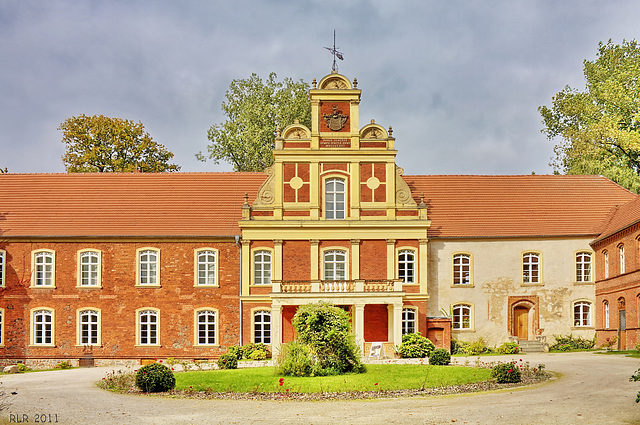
{"x": 240, "y": 281}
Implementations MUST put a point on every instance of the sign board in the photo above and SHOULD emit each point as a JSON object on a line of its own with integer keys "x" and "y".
{"x": 377, "y": 350}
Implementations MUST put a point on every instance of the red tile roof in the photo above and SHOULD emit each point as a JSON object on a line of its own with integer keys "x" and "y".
{"x": 124, "y": 204}
{"x": 530, "y": 205}
{"x": 621, "y": 217}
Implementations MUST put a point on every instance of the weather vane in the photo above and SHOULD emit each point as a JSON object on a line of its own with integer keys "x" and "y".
{"x": 336, "y": 54}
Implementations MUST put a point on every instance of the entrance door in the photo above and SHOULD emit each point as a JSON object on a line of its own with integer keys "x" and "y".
{"x": 622, "y": 332}
{"x": 521, "y": 322}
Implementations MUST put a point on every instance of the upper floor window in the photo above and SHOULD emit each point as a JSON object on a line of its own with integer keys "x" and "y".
{"x": 531, "y": 267}
{"x": 262, "y": 268}
{"x": 2, "y": 267}
{"x": 461, "y": 316}
{"x": 583, "y": 267}
{"x": 582, "y": 314}
{"x": 461, "y": 269}
{"x": 606, "y": 264}
{"x": 43, "y": 262}
{"x": 43, "y": 327}
{"x": 262, "y": 327}
{"x": 408, "y": 321}
{"x": 207, "y": 327}
{"x": 334, "y": 199}
{"x": 89, "y": 327}
{"x": 89, "y": 268}
{"x": 622, "y": 265}
{"x": 148, "y": 327}
{"x": 407, "y": 265}
{"x": 335, "y": 265}
{"x": 148, "y": 260}
{"x": 207, "y": 268}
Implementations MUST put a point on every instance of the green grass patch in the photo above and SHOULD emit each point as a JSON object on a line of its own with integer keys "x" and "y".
{"x": 628, "y": 353}
{"x": 377, "y": 378}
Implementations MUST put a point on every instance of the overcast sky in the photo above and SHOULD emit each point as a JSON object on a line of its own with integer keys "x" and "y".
{"x": 459, "y": 81}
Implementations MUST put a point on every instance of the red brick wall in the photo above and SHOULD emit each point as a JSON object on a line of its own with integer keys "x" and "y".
{"x": 296, "y": 260}
{"x": 376, "y": 323}
{"x": 373, "y": 260}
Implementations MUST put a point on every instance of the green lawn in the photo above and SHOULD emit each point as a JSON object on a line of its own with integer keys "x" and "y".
{"x": 377, "y": 378}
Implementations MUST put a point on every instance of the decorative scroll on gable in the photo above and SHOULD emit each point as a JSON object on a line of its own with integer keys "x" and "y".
{"x": 335, "y": 82}
{"x": 266, "y": 194}
{"x": 297, "y": 132}
{"x": 403, "y": 193}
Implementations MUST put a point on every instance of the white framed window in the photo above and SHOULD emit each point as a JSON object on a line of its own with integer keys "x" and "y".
{"x": 531, "y": 267}
{"x": 206, "y": 267}
{"x": 334, "y": 199}
{"x": 3, "y": 256}
{"x": 148, "y": 326}
{"x": 621, "y": 252}
{"x": 605, "y": 254}
{"x": 1, "y": 327}
{"x": 462, "y": 269}
{"x": 461, "y": 316}
{"x": 583, "y": 267}
{"x": 407, "y": 265}
{"x": 89, "y": 326}
{"x": 335, "y": 265}
{"x": 582, "y": 314}
{"x": 148, "y": 267}
{"x": 43, "y": 326}
{"x": 262, "y": 326}
{"x": 408, "y": 321}
{"x": 262, "y": 267}
{"x": 206, "y": 327}
{"x": 605, "y": 307}
{"x": 43, "y": 269}
{"x": 89, "y": 268}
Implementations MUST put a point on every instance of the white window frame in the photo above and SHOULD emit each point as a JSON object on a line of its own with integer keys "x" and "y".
{"x": 606, "y": 263}
{"x": 44, "y": 273}
{"x": 605, "y": 305}
{"x": 3, "y": 267}
{"x": 330, "y": 266}
{"x": 144, "y": 327}
{"x": 622, "y": 259}
{"x": 531, "y": 268}
{"x": 584, "y": 268}
{"x": 261, "y": 273}
{"x": 582, "y": 314}
{"x": 458, "y": 270}
{"x": 409, "y": 320}
{"x": 40, "y": 328}
{"x": 95, "y": 275}
{"x": 205, "y": 270}
{"x": 91, "y": 326}
{"x": 144, "y": 268}
{"x": 407, "y": 265}
{"x": 260, "y": 327}
{"x": 206, "y": 329}
{"x": 335, "y": 205}
{"x": 2, "y": 321}
{"x": 458, "y": 317}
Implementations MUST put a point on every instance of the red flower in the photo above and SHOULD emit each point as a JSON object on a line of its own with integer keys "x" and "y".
{"x": 510, "y": 370}
{"x": 287, "y": 389}
{"x": 375, "y": 383}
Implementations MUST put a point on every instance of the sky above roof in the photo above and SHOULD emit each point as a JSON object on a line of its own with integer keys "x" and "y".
{"x": 459, "y": 81}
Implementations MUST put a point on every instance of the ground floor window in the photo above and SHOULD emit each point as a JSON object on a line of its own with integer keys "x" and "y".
{"x": 582, "y": 314}
{"x": 461, "y": 316}
{"x": 148, "y": 327}
{"x": 206, "y": 325}
{"x": 408, "y": 321}
{"x": 89, "y": 327}
{"x": 262, "y": 327}
{"x": 43, "y": 327}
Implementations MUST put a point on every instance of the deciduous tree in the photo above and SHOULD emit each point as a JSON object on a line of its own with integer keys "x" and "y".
{"x": 600, "y": 126}
{"x": 103, "y": 144}
{"x": 254, "y": 110}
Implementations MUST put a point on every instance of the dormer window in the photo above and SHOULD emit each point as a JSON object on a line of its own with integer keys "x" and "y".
{"x": 334, "y": 199}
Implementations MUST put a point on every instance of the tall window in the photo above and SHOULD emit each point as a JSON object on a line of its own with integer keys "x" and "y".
{"x": 461, "y": 269}
{"x": 621, "y": 251}
{"x": 583, "y": 267}
{"x": 461, "y": 316}
{"x": 408, "y": 321}
{"x": 43, "y": 327}
{"x": 148, "y": 267}
{"x": 262, "y": 268}
{"x": 262, "y": 327}
{"x": 582, "y": 314}
{"x": 335, "y": 265}
{"x": 207, "y": 264}
{"x": 89, "y": 268}
{"x": 43, "y": 268}
{"x": 207, "y": 327}
{"x": 606, "y": 264}
{"x": 89, "y": 327}
{"x": 334, "y": 199}
{"x": 605, "y": 306}
{"x": 148, "y": 327}
{"x": 1, "y": 327}
{"x": 531, "y": 267}
{"x": 2, "y": 267}
{"x": 406, "y": 265}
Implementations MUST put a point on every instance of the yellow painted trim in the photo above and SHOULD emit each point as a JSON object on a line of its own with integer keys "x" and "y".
{"x": 196, "y": 265}
{"x": 33, "y": 269}
{"x": 346, "y": 178}
{"x": 138, "y": 311}
{"x": 335, "y": 248}
{"x": 315, "y": 259}
{"x": 138, "y": 252}
{"x": 472, "y": 313}
{"x": 423, "y": 252}
{"x": 355, "y": 259}
{"x": 254, "y": 250}
{"x": 79, "y": 269}
{"x": 416, "y": 268}
{"x": 276, "y": 260}
{"x": 245, "y": 271}
{"x": 195, "y": 327}
{"x": 79, "y": 330}
{"x": 391, "y": 264}
{"x": 33, "y": 330}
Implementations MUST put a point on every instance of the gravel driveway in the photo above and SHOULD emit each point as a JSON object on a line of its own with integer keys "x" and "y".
{"x": 590, "y": 389}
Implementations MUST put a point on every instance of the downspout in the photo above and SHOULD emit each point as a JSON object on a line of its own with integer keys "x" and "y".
{"x": 240, "y": 280}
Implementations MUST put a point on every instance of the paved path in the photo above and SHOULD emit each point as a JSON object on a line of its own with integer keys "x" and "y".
{"x": 591, "y": 389}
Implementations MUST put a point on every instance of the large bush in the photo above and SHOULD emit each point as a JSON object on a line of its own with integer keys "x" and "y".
{"x": 506, "y": 373}
{"x": 154, "y": 378}
{"x": 439, "y": 357}
{"x": 228, "y": 361}
{"x": 474, "y": 348}
{"x": 295, "y": 360}
{"x": 415, "y": 346}
{"x": 569, "y": 342}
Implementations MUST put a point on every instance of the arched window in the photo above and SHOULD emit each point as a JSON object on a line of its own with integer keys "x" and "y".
{"x": 408, "y": 321}
{"x": 582, "y": 314}
{"x": 605, "y": 307}
{"x": 605, "y": 255}
{"x": 89, "y": 327}
{"x": 262, "y": 327}
{"x": 461, "y": 316}
{"x": 531, "y": 267}
{"x": 335, "y": 265}
{"x": 207, "y": 267}
{"x": 461, "y": 269}
{"x": 262, "y": 267}
{"x": 622, "y": 259}
{"x": 334, "y": 195}
{"x": 89, "y": 268}
{"x": 148, "y": 327}
{"x": 583, "y": 267}
{"x": 43, "y": 327}
{"x": 206, "y": 325}
{"x": 43, "y": 268}
{"x": 406, "y": 265}
{"x": 148, "y": 267}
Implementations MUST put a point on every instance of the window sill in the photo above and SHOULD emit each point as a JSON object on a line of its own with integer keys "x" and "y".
{"x": 147, "y": 286}
{"x": 583, "y": 328}
{"x": 260, "y": 285}
{"x": 89, "y": 345}
{"x": 206, "y": 345}
{"x": 584, "y": 283}
{"x": 531, "y": 284}
{"x": 463, "y": 330}
{"x": 205, "y": 286}
{"x": 42, "y": 345}
{"x": 43, "y": 287}
{"x": 89, "y": 286}
{"x": 147, "y": 345}
{"x": 463, "y": 285}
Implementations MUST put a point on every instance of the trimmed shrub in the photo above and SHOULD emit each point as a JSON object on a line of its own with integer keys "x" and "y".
{"x": 568, "y": 342}
{"x": 295, "y": 360}
{"x": 258, "y": 355}
{"x": 439, "y": 357}
{"x": 154, "y": 378}
{"x": 509, "y": 348}
{"x": 228, "y": 361}
{"x": 506, "y": 373}
{"x": 415, "y": 346}
{"x": 249, "y": 349}
{"x": 236, "y": 350}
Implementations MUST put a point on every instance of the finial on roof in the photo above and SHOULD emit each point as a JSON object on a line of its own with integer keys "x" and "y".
{"x": 373, "y": 121}
{"x": 390, "y": 131}
{"x": 314, "y": 83}
{"x": 422, "y": 204}
{"x": 336, "y": 54}
{"x": 355, "y": 83}
{"x": 278, "y": 132}
{"x": 296, "y": 121}
{"x": 246, "y": 198}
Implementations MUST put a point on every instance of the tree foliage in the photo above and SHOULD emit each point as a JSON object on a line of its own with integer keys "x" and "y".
{"x": 254, "y": 110}
{"x": 103, "y": 144}
{"x": 600, "y": 126}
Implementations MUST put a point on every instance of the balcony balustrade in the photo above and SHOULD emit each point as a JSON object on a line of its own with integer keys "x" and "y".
{"x": 328, "y": 286}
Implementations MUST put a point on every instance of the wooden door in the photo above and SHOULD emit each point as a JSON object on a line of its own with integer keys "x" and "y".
{"x": 521, "y": 322}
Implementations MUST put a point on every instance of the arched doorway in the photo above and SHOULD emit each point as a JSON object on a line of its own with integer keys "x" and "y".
{"x": 521, "y": 322}
{"x": 523, "y": 317}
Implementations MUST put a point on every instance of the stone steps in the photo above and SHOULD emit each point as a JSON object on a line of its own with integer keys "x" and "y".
{"x": 532, "y": 346}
